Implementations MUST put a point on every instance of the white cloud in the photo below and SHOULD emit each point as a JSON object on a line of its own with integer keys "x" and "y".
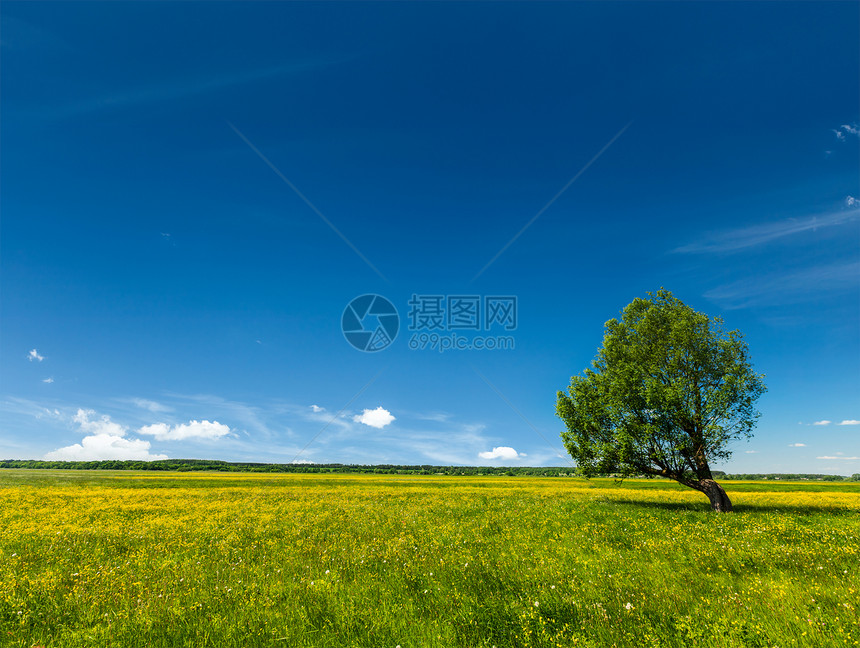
{"x": 48, "y": 380}
{"x": 823, "y": 422}
{"x": 850, "y": 201}
{"x": 104, "y": 441}
{"x": 317, "y": 408}
{"x": 502, "y": 452}
{"x": 796, "y": 445}
{"x": 102, "y": 425}
{"x": 378, "y": 418}
{"x": 849, "y": 422}
{"x": 751, "y": 451}
{"x": 190, "y": 430}
{"x": 34, "y": 355}
{"x": 843, "y": 458}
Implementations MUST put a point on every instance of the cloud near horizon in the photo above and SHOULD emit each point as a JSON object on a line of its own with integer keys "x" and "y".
{"x": 99, "y": 447}
{"x": 105, "y": 440}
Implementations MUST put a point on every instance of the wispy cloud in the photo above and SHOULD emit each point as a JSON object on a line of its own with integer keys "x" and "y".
{"x": 791, "y": 288}
{"x": 849, "y": 422}
{"x": 452, "y": 443}
{"x": 748, "y": 237}
{"x": 751, "y": 451}
{"x": 319, "y": 414}
{"x": 321, "y": 434}
{"x": 438, "y": 417}
{"x": 48, "y": 380}
{"x": 34, "y": 355}
{"x": 150, "y": 405}
{"x": 839, "y": 458}
{"x": 252, "y": 418}
{"x": 12, "y": 405}
{"x": 170, "y": 91}
{"x": 412, "y": 441}
{"x": 824, "y": 422}
{"x": 796, "y": 445}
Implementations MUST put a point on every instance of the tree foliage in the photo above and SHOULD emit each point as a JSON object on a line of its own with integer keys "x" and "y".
{"x": 668, "y": 392}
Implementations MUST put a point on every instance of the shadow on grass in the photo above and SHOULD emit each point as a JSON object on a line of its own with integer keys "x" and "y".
{"x": 704, "y": 507}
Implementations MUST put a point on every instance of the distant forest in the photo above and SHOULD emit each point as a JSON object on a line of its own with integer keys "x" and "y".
{"x": 210, "y": 465}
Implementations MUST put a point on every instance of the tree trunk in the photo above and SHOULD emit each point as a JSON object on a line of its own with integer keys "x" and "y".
{"x": 719, "y": 500}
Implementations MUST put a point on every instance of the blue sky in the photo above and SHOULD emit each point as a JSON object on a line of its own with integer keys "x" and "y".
{"x": 193, "y": 192}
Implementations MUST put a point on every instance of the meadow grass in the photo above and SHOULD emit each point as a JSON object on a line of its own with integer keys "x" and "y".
{"x": 189, "y": 559}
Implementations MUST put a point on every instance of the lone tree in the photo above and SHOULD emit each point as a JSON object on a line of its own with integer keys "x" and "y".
{"x": 666, "y": 394}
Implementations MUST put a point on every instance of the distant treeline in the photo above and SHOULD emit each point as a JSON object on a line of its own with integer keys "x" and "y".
{"x": 784, "y": 476}
{"x": 192, "y": 465}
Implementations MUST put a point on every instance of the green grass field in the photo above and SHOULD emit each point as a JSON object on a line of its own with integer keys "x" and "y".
{"x": 141, "y": 559}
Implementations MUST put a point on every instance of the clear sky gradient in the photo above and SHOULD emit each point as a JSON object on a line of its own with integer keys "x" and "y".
{"x": 192, "y": 193}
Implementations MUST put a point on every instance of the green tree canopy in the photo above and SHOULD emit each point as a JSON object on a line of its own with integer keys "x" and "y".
{"x": 667, "y": 393}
